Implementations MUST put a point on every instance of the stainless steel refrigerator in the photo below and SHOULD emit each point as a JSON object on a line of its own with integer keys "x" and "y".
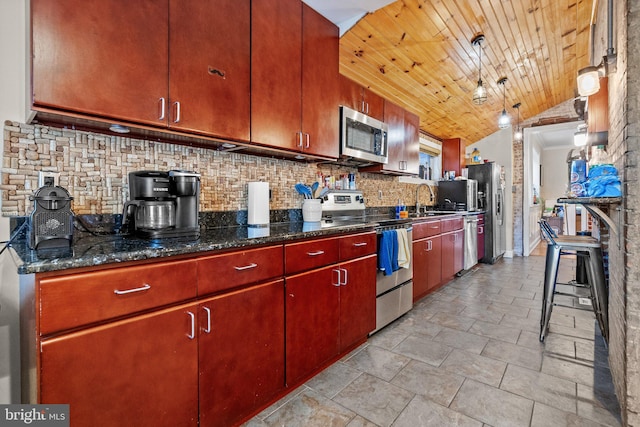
{"x": 491, "y": 196}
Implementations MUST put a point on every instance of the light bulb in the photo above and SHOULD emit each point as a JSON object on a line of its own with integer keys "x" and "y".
{"x": 588, "y": 81}
{"x": 480, "y": 94}
{"x": 580, "y": 139}
{"x": 504, "y": 121}
{"x": 518, "y": 135}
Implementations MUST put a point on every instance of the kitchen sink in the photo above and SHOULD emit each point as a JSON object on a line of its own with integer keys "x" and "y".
{"x": 434, "y": 213}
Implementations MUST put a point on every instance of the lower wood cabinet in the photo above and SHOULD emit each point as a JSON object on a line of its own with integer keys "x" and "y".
{"x": 328, "y": 310}
{"x": 427, "y": 259}
{"x": 241, "y": 352}
{"x": 142, "y": 370}
{"x": 211, "y": 363}
{"x": 211, "y": 358}
{"x": 452, "y": 254}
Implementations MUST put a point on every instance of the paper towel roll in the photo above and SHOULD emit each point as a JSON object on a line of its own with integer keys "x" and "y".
{"x": 258, "y": 203}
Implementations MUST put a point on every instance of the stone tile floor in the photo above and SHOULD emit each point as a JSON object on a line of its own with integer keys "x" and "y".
{"x": 467, "y": 355}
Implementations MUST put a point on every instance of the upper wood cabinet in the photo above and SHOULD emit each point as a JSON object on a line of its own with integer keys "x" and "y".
{"x": 178, "y": 64}
{"x": 93, "y": 58}
{"x": 361, "y": 99}
{"x": 210, "y": 68}
{"x": 294, "y": 86}
{"x": 403, "y": 142}
{"x": 453, "y": 151}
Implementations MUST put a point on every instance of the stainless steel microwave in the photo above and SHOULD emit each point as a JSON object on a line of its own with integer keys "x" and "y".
{"x": 362, "y": 138}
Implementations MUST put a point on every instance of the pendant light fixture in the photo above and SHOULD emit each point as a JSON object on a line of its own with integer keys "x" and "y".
{"x": 517, "y": 136}
{"x": 504, "y": 121}
{"x": 480, "y": 93}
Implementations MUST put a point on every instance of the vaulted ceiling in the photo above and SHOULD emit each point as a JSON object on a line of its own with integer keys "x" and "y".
{"x": 418, "y": 54}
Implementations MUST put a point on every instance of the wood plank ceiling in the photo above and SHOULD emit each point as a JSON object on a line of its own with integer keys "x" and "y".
{"x": 418, "y": 54}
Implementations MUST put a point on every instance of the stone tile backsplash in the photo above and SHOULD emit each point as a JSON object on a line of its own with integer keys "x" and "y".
{"x": 93, "y": 167}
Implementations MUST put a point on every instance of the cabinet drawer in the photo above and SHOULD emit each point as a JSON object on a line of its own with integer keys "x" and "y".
{"x": 357, "y": 245}
{"x": 426, "y": 229}
{"x": 219, "y": 272}
{"x": 79, "y": 299}
{"x": 452, "y": 224}
{"x": 310, "y": 254}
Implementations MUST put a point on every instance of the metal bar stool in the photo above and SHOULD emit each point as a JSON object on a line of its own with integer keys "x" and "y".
{"x": 596, "y": 283}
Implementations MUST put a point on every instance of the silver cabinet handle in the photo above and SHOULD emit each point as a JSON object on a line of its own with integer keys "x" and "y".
{"x": 193, "y": 325}
{"x": 346, "y": 276}
{"x": 177, "y": 105}
{"x": 429, "y": 245}
{"x": 130, "y": 291}
{"x": 337, "y": 270}
{"x": 208, "y": 328}
{"x": 480, "y": 229}
{"x": 246, "y": 267}
{"x": 359, "y": 245}
{"x": 316, "y": 253}
{"x": 299, "y": 139}
{"x": 308, "y": 139}
{"x": 163, "y": 106}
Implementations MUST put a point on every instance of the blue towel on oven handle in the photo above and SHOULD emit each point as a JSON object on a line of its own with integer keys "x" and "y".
{"x": 388, "y": 252}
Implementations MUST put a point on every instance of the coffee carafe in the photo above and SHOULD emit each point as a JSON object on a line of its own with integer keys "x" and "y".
{"x": 162, "y": 204}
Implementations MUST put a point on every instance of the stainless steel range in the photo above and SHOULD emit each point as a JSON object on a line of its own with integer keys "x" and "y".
{"x": 394, "y": 292}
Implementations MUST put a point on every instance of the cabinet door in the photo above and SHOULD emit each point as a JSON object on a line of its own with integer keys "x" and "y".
{"x": 357, "y": 300}
{"x": 421, "y": 269}
{"x": 351, "y": 94}
{"x": 276, "y": 73}
{"x": 320, "y": 86}
{"x": 481, "y": 237}
{"x": 143, "y": 369}
{"x": 448, "y": 257}
{"x": 453, "y": 151}
{"x": 241, "y": 352}
{"x": 209, "y": 51}
{"x": 374, "y": 104}
{"x": 434, "y": 261}
{"x": 458, "y": 251}
{"x": 104, "y": 58}
{"x": 312, "y": 313}
{"x": 394, "y": 118}
{"x": 411, "y": 143}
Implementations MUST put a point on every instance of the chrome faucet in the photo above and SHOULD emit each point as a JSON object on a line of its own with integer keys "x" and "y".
{"x": 418, "y": 193}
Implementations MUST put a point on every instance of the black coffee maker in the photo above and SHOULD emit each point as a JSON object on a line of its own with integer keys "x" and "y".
{"x": 162, "y": 204}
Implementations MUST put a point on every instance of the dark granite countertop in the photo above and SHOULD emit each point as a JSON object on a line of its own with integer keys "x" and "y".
{"x": 94, "y": 250}
{"x": 97, "y": 242}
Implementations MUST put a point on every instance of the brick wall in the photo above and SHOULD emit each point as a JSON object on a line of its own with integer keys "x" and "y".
{"x": 93, "y": 168}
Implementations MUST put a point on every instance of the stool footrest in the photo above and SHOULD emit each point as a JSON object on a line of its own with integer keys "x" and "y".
{"x": 556, "y": 304}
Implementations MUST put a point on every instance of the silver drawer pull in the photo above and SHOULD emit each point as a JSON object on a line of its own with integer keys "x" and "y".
{"x": 316, "y": 253}
{"x": 130, "y": 291}
{"x": 358, "y": 245}
{"x": 192, "y": 335}
{"x": 246, "y": 267}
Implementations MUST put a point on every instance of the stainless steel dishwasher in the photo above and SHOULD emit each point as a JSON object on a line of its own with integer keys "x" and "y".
{"x": 470, "y": 241}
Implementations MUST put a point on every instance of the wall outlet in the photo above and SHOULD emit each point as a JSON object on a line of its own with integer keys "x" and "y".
{"x": 48, "y": 178}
